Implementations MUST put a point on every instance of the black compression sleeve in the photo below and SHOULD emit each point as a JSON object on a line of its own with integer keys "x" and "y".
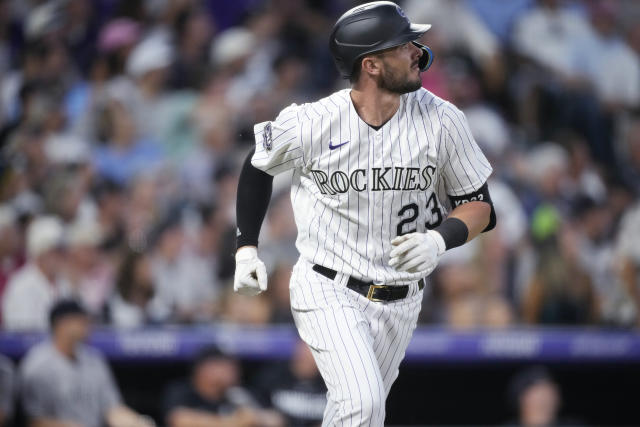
{"x": 254, "y": 193}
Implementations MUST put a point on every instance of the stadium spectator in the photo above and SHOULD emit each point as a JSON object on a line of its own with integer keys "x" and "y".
{"x": 125, "y": 153}
{"x": 7, "y": 390}
{"x": 88, "y": 272}
{"x": 128, "y": 307}
{"x": 63, "y": 382}
{"x": 212, "y": 396}
{"x": 193, "y": 30}
{"x": 142, "y": 90}
{"x": 110, "y": 206}
{"x": 294, "y": 389}
{"x": 560, "y": 292}
{"x": 628, "y": 255}
{"x": 184, "y": 292}
{"x": 11, "y": 247}
{"x": 462, "y": 297}
{"x": 592, "y": 223}
{"x": 32, "y": 290}
{"x": 630, "y": 156}
{"x": 536, "y": 399}
{"x": 471, "y": 38}
{"x": 615, "y": 74}
{"x": 547, "y": 34}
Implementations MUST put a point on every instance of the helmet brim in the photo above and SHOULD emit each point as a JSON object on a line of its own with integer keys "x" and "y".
{"x": 414, "y": 32}
{"x": 419, "y": 29}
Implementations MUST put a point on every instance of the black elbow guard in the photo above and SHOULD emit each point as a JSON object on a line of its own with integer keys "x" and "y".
{"x": 480, "y": 195}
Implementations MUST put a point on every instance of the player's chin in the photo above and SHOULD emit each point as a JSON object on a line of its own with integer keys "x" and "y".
{"x": 415, "y": 82}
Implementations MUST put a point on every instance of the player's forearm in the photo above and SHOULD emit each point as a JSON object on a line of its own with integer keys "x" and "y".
{"x": 475, "y": 215}
{"x": 254, "y": 193}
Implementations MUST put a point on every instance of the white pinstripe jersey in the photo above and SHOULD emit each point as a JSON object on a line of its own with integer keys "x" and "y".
{"x": 355, "y": 188}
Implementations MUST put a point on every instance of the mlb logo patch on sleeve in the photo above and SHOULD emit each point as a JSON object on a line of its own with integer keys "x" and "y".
{"x": 267, "y": 139}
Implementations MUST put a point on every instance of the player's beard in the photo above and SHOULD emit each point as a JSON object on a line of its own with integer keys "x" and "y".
{"x": 390, "y": 81}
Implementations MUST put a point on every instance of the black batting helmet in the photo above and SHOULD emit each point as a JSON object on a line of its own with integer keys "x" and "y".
{"x": 372, "y": 27}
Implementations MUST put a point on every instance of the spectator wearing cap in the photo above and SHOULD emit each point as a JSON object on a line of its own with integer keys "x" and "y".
{"x": 32, "y": 290}
{"x": 212, "y": 397}
{"x": 63, "y": 382}
{"x": 142, "y": 90}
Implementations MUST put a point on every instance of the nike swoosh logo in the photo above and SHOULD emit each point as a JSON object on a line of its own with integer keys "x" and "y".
{"x": 333, "y": 147}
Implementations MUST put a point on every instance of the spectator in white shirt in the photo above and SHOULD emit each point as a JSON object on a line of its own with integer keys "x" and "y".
{"x": 547, "y": 35}
{"x": 610, "y": 65}
{"x": 32, "y": 290}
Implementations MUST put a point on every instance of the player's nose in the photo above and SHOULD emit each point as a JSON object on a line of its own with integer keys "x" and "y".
{"x": 416, "y": 52}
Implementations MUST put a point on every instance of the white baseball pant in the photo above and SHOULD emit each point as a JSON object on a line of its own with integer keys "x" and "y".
{"x": 357, "y": 344}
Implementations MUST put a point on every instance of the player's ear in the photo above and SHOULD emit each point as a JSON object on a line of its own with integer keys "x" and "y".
{"x": 371, "y": 65}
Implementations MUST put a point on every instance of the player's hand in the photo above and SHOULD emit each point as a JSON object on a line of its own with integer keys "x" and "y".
{"x": 417, "y": 252}
{"x": 251, "y": 274}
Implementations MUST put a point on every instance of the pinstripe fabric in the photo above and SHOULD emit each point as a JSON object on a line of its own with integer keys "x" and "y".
{"x": 357, "y": 344}
{"x": 353, "y": 190}
{"x": 424, "y": 152}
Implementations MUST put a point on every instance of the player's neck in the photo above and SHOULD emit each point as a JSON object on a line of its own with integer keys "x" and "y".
{"x": 375, "y": 107}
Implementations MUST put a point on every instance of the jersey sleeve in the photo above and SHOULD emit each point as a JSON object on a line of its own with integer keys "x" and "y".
{"x": 464, "y": 167}
{"x": 278, "y": 145}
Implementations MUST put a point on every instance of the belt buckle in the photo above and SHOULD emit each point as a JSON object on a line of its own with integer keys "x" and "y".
{"x": 372, "y": 289}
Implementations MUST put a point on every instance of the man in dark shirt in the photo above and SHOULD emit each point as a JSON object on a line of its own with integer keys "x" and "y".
{"x": 211, "y": 396}
{"x": 294, "y": 389}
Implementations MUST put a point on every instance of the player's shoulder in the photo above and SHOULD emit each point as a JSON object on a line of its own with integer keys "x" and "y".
{"x": 323, "y": 107}
{"x": 428, "y": 102}
{"x": 329, "y": 105}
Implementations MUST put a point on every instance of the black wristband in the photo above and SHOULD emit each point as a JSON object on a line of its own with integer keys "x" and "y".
{"x": 454, "y": 232}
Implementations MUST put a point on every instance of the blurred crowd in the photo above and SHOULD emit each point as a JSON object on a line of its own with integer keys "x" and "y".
{"x": 123, "y": 124}
{"x": 62, "y": 382}
{"x": 122, "y": 129}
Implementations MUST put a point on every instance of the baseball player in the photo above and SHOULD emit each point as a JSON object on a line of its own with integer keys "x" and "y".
{"x": 386, "y": 178}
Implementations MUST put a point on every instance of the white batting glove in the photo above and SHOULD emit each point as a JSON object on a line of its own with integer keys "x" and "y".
{"x": 417, "y": 252}
{"x": 251, "y": 275}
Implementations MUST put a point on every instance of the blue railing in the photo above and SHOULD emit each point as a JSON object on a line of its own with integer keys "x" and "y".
{"x": 429, "y": 344}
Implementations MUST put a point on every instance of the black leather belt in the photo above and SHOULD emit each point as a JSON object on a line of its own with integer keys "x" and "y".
{"x": 368, "y": 289}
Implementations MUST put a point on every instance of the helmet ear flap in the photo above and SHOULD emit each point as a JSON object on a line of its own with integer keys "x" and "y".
{"x": 427, "y": 56}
